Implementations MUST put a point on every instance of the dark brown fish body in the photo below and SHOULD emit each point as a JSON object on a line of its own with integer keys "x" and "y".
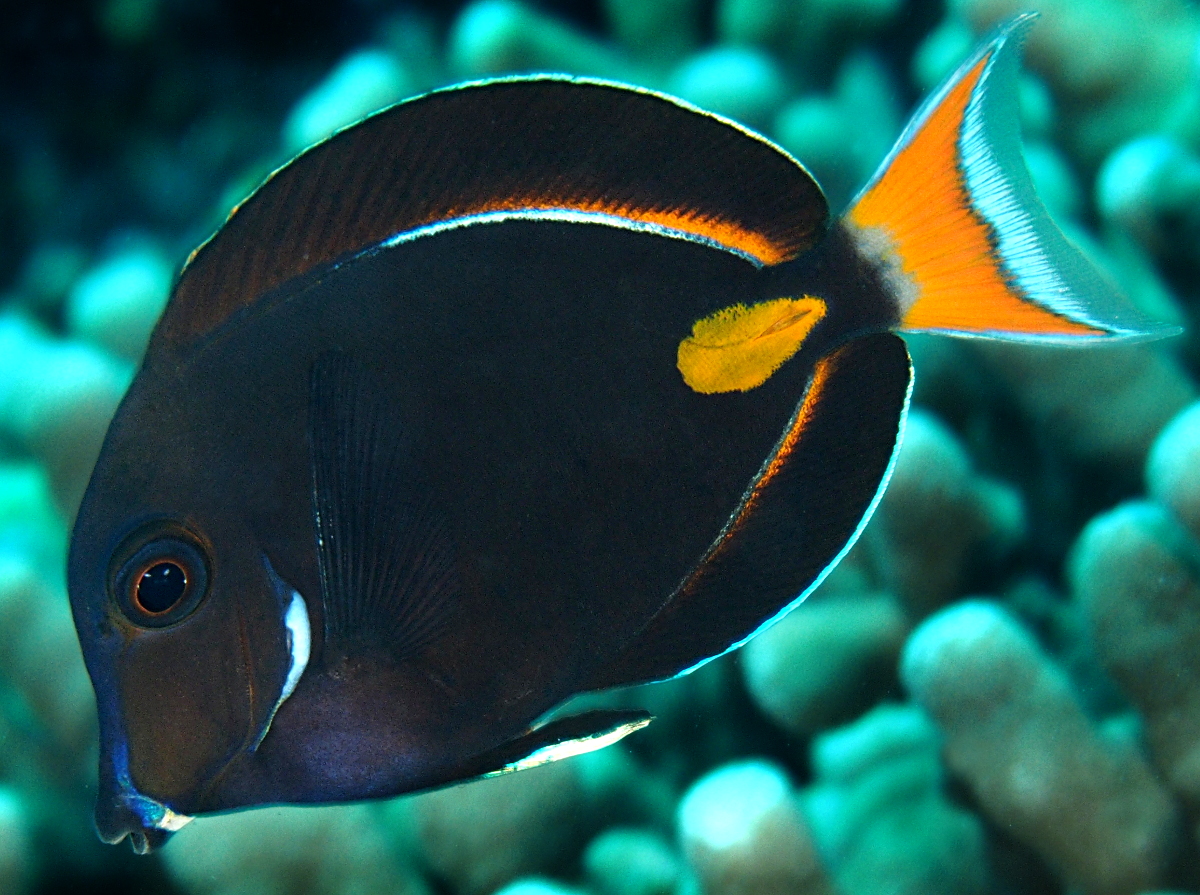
{"x": 625, "y": 501}
{"x": 506, "y": 394}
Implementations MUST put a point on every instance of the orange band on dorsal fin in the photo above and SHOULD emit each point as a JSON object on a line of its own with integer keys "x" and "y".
{"x": 510, "y": 146}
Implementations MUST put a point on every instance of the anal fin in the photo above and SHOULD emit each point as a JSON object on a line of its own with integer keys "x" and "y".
{"x": 803, "y": 512}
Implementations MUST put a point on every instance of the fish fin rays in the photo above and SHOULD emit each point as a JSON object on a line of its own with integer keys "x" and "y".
{"x": 803, "y": 512}
{"x": 555, "y": 740}
{"x": 387, "y": 565}
{"x": 508, "y": 147}
{"x": 953, "y": 219}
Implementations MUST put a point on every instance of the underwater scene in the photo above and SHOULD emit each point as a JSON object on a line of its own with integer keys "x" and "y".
{"x": 997, "y": 689}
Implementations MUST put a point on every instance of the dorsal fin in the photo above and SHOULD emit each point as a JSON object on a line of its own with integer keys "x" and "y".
{"x": 511, "y": 145}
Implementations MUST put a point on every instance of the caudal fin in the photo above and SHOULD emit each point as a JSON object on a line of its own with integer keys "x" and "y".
{"x": 965, "y": 244}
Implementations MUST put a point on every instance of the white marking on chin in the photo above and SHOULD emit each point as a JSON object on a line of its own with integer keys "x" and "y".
{"x": 173, "y": 821}
{"x": 151, "y": 812}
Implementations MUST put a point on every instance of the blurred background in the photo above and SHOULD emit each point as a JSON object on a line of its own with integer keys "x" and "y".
{"x": 998, "y": 691}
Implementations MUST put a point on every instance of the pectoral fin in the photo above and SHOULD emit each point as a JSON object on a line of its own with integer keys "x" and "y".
{"x": 388, "y": 573}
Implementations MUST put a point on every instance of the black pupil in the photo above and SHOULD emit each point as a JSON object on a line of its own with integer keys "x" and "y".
{"x": 161, "y": 587}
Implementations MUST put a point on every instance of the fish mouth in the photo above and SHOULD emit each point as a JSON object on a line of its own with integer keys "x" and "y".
{"x": 123, "y": 811}
{"x": 116, "y": 819}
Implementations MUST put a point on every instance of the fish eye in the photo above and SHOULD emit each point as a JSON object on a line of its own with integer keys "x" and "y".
{"x": 162, "y": 582}
{"x": 160, "y": 587}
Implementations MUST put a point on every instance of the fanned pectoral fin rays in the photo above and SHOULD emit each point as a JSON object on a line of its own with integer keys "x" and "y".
{"x": 388, "y": 577}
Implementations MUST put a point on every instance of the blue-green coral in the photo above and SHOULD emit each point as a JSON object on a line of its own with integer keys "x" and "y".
{"x": 1043, "y": 736}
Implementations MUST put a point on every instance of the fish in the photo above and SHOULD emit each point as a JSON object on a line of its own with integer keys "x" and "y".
{"x": 514, "y": 391}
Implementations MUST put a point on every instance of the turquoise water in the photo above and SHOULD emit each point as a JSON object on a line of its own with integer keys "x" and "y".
{"x": 998, "y": 691}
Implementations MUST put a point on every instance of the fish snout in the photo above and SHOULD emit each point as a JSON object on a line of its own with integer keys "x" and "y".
{"x": 116, "y": 819}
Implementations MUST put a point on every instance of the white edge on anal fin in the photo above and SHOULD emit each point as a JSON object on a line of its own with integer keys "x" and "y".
{"x": 862, "y": 524}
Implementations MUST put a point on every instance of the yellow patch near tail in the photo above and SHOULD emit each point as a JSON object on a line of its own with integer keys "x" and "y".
{"x": 737, "y": 348}
{"x": 938, "y": 244}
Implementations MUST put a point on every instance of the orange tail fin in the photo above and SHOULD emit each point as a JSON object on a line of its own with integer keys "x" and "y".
{"x": 953, "y": 220}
